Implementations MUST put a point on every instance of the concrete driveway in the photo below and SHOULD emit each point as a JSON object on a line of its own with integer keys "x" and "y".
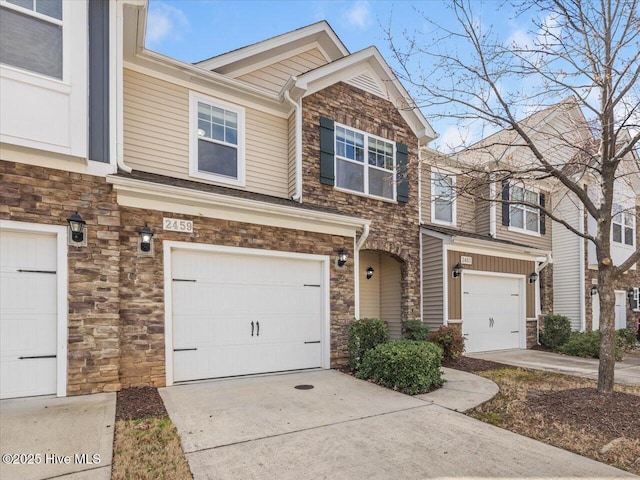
{"x": 60, "y": 436}
{"x": 626, "y": 372}
{"x": 344, "y": 428}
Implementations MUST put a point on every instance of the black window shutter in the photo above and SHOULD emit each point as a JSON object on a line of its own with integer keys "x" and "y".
{"x": 543, "y": 220}
{"x": 402, "y": 158}
{"x": 505, "y": 206}
{"x": 327, "y": 152}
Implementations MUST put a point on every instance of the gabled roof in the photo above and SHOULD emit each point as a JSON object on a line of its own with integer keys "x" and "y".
{"x": 319, "y": 34}
{"x": 367, "y": 70}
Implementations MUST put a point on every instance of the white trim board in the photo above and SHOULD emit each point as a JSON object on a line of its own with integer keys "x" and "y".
{"x": 60, "y": 232}
{"x": 170, "y": 246}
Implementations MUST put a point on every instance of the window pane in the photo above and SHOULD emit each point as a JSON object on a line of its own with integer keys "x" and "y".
{"x": 218, "y": 132}
{"x": 349, "y": 175}
{"x": 533, "y": 221}
{"x": 628, "y": 219}
{"x": 204, "y": 111}
{"x": 30, "y": 43}
{"x": 380, "y": 183}
{"x": 628, "y": 236}
{"x": 218, "y": 159}
{"x": 531, "y": 197}
{"x": 52, "y": 8}
{"x": 231, "y": 119}
{"x": 517, "y": 217}
{"x": 443, "y": 210}
{"x": 617, "y": 233}
{"x": 217, "y": 115}
{"x": 231, "y": 136}
{"x": 22, "y": 3}
{"x": 204, "y": 129}
{"x": 517, "y": 194}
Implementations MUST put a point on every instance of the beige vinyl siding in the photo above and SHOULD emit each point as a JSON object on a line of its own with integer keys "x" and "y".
{"x": 432, "y": 282}
{"x": 542, "y": 242}
{"x": 482, "y": 212}
{"x": 390, "y": 295}
{"x": 156, "y": 136}
{"x": 488, "y": 263}
{"x": 291, "y": 152}
{"x": 369, "y": 289}
{"x": 274, "y": 76}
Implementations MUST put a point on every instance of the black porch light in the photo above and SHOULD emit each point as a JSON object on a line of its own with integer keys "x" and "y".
{"x": 533, "y": 277}
{"x": 343, "y": 256}
{"x": 370, "y": 271}
{"x": 457, "y": 271}
{"x": 76, "y": 225}
{"x": 145, "y": 238}
{"x": 594, "y": 290}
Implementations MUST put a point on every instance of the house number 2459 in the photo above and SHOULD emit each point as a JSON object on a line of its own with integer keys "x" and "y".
{"x": 176, "y": 225}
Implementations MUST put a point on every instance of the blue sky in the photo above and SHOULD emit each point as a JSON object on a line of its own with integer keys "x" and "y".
{"x": 193, "y": 30}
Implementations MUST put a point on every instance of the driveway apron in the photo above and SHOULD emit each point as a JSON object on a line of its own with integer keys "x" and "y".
{"x": 344, "y": 428}
{"x": 72, "y": 437}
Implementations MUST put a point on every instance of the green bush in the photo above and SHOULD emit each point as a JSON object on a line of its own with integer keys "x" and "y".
{"x": 586, "y": 344}
{"x": 625, "y": 339}
{"x": 364, "y": 334}
{"x": 416, "y": 330}
{"x": 450, "y": 340}
{"x": 555, "y": 332}
{"x": 406, "y": 366}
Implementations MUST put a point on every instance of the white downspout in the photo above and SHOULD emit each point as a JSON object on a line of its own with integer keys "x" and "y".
{"x": 356, "y": 266}
{"x": 492, "y": 206}
{"x": 297, "y": 195}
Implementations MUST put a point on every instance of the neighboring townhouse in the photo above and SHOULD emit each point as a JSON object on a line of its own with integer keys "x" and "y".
{"x": 482, "y": 262}
{"x": 263, "y": 199}
{"x": 59, "y": 302}
{"x": 575, "y": 276}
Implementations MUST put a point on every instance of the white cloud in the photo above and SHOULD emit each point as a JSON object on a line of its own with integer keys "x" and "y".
{"x": 359, "y": 14}
{"x": 165, "y": 22}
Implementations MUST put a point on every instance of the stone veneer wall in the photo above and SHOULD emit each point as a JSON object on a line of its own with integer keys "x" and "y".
{"x": 142, "y": 284}
{"x": 546, "y": 290}
{"x": 46, "y": 196}
{"x": 394, "y": 226}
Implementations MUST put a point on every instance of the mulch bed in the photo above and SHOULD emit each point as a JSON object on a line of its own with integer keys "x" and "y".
{"x": 472, "y": 365}
{"x": 615, "y": 415}
{"x": 139, "y": 402}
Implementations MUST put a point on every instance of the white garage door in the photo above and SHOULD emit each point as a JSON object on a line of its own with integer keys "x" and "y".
{"x": 28, "y": 314}
{"x": 236, "y": 314}
{"x": 492, "y": 312}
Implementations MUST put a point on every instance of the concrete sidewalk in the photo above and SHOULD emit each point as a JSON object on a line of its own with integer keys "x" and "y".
{"x": 626, "y": 372}
{"x": 345, "y": 428}
{"x": 54, "y": 429}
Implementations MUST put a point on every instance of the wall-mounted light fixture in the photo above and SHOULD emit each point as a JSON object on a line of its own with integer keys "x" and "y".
{"x": 457, "y": 271}
{"x": 594, "y": 290}
{"x": 370, "y": 271}
{"x": 77, "y": 227}
{"x": 533, "y": 277}
{"x": 343, "y": 256}
{"x": 145, "y": 236}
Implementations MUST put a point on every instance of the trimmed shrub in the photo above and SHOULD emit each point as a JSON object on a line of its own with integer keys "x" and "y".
{"x": 416, "y": 330}
{"x": 364, "y": 334}
{"x": 555, "y": 332}
{"x": 407, "y": 366}
{"x": 625, "y": 339}
{"x": 450, "y": 340}
{"x": 586, "y": 344}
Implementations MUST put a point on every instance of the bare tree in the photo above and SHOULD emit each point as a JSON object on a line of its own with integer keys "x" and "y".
{"x": 577, "y": 55}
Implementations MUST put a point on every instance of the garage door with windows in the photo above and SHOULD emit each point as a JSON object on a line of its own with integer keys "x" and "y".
{"x": 28, "y": 314}
{"x": 238, "y": 314}
{"x": 492, "y": 312}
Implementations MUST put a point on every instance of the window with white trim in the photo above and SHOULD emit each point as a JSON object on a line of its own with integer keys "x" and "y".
{"x": 217, "y": 140}
{"x": 524, "y": 217}
{"x": 443, "y": 197}
{"x": 365, "y": 163}
{"x": 31, "y": 36}
{"x": 623, "y": 228}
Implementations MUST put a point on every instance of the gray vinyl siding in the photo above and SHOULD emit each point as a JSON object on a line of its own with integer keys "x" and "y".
{"x": 99, "y": 80}
{"x": 432, "y": 282}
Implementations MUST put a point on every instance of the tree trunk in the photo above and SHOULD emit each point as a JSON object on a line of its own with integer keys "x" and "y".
{"x": 607, "y": 363}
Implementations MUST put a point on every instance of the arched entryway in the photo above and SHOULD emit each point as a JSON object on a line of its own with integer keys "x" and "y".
{"x": 381, "y": 294}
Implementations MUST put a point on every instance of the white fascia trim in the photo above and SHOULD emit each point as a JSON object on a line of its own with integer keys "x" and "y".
{"x": 512, "y": 251}
{"x": 272, "y": 43}
{"x": 62, "y": 276}
{"x": 169, "y": 246}
{"x": 140, "y": 194}
{"x": 320, "y": 78}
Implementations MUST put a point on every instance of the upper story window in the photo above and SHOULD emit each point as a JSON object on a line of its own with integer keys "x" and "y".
{"x": 624, "y": 226}
{"x": 524, "y": 217}
{"x": 31, "y": 36}
{"x": 443, "y": 204}
{"x": 364, "y": 163}
{"x": 217, "y": 141}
